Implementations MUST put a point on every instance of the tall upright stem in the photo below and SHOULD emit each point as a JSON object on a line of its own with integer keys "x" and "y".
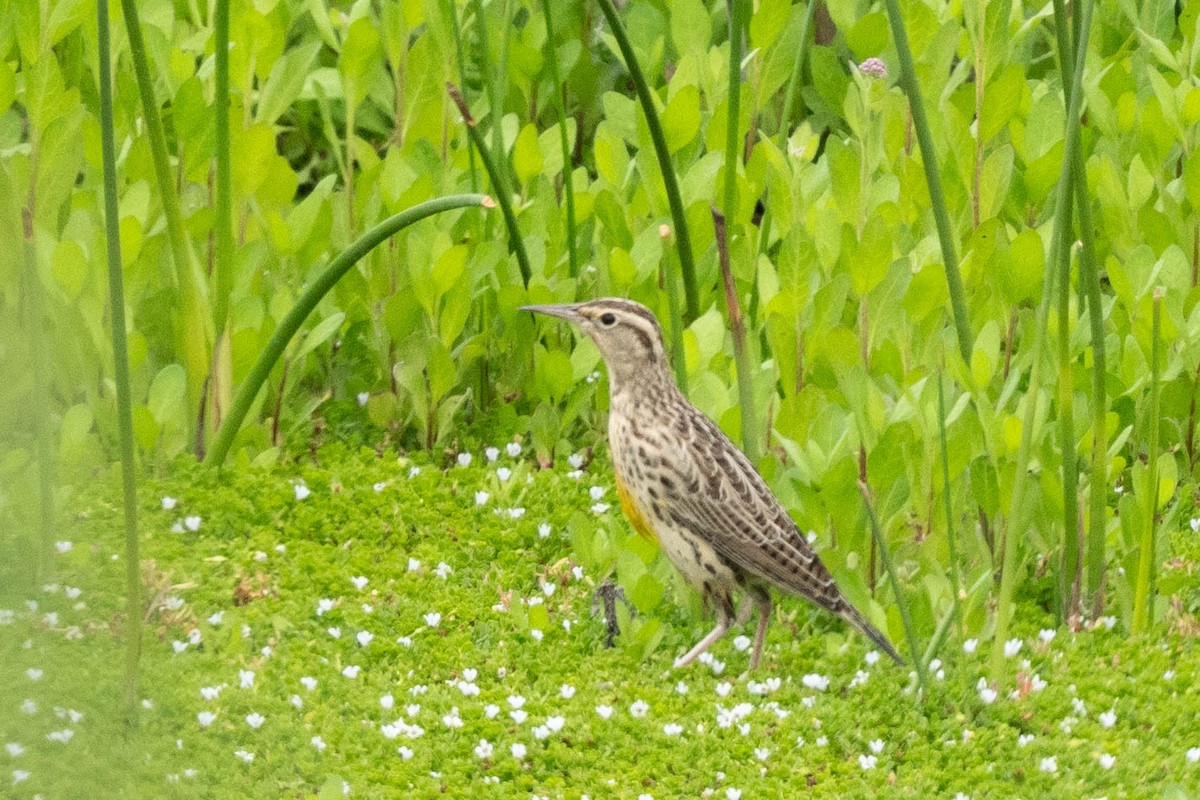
{"x": 560, "y": 108}
{"x": 116, "y": 290}
{"x": 670, "y": 181}
{"x": 737, "y": 327}
{"x": 933, "y": 177}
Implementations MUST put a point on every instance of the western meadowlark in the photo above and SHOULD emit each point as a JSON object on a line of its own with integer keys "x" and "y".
{"x": 684, "y": 484}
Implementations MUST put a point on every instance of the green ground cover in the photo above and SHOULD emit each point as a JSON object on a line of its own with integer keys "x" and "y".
{"x": 367, "y": 625}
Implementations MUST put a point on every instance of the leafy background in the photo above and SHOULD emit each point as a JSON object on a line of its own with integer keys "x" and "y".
{"x": 339, "y": 117}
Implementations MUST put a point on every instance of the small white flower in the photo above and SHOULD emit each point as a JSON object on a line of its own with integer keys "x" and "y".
{"x": 681, "y": 688}
{"x": 481, "y": 497}
{"x": 168, "y": 504}
{"x": 34, "y": 674}
{"x": 309, "y": 682}
{"x": 255, "y": 720}
{"x": 65, "y": 547}
{"x": 969, "y": 645}
{"x": 364, "y": 638}
{"x": 28, "y": 706}
{"x": 491, "y": 454}
{"x": 517, "y": 750}
{"x": 604, "y": 711}
{"x": 464, "y": 459}
{"x": 1194, "y": 522}
{"x": 723, "y": 688}
{"x": 360, "y": 582}
{"x": 536, "y": 634}
{"x": 351, "y": 671}
{"x": 452, "y": 720}
{"x": 872, "y": 657}
{"x": 244, "y": 755}
{"x": 1107, "y": 760}
{"x": 519, "y": 715}
{"x": 414, "y": 472}
{"x": 432, "y": 619}
{"x": 1049, "y": 764}
{"x": 1193, "y": 755}
{"x": 405, "y": 752}
{"x": 443, "y": 570}
{"x": 1108, "y": 622}
{"x": 318, "y": 743}
{"x": 814, "y": 681}
{"x": 205, "y": 718}
{"x": 566, "y": 691}
{"x": 1108, "y": 718}
{"x": 245, "y": 678}
{"x": 761, "y": 753}
{"x": 192, "y": 523}
{"x": 741, "y": 643}
{"x": 672, "y": 729}
{"x": 1169, "y": 675}
{"x": 577, "y": 572}
{"x": 302, "y": 491}
{"x": 599, "y": 508}
{"x": 1012, "y": 647}
{"x": 363, "y": 397}
{"x": 334, "y": 631}
{"x": 575, "y": 460}
{"x": 876, "y": 746}
{"x": 14, "y": 749}
{"x": 639, "y": 708}
{"x": 503, "y": 473}
{"x": 379, "y": 487}
{"x": 1047, "y": 635}
{"x": 733, "y": 794}
{"x": 596, "y": 492}
{"x": 867, "y": 762}
{"x": 544, "y": 530}
{"x": 986, "y": 693}
{"x": 513, "y": 449}
{"x": 484, "y": 749}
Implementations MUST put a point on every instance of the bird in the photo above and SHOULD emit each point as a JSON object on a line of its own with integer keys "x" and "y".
{"x": 684, "y": 484}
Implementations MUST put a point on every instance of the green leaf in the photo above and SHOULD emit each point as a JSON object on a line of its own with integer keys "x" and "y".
{"x": 681, "y": 119}
{"x": 869, "y": 35}
{"x": 691, "y": 27}
{"x": 320, "y": 333}
{"x": 1001, "y": 101}
{"x": 646, "y": 593}
{"x": 69, "y": 265}
{"x": 285, "y": 82}
{"x": 73, "y": 434}
{"x": 167, "y": 393}
{"x": 527, "y": 156}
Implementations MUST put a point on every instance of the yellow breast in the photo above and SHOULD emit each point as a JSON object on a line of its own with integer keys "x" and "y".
{"x": 633, "y": 512}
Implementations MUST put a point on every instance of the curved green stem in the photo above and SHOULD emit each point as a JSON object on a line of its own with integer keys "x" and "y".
{"x": 933, "y": 177}
{"x": 308, "y": 301}
{"x": 116, "y": 290}
{"x": 1143, "y": 595}
{"x": 683, "y": 240}
{"x": 951, "y": 542}
{"x": 503, "y": 197}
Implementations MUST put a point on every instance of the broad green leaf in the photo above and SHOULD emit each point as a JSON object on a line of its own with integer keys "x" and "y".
{"x": 70, "y": 267}
{"x": 1001, "y": 101}
{"x": 285, "y": 82}
{"x": 681, "y": 119}
{"x": 869, "y": 35}
{"x": 527, "y": 156}
{"x": 168, "y": 393}
{"x": 74, "y": 431}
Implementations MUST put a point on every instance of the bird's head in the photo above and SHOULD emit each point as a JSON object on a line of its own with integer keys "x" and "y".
{"x": 626, "y": 333}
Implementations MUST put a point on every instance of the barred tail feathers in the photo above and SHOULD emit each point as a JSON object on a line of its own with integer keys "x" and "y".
{"x": 852, "y": 616}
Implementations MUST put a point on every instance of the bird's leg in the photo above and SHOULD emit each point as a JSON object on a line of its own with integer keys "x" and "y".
{"x": 763, "y": 602}
{"x": 724, "y": 612}
{"x": 743, "y": 615}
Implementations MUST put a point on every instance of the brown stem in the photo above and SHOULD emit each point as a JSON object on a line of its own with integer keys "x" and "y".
{"x": 279, "y": 404}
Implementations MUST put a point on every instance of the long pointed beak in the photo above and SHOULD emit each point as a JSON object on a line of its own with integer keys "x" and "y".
{"x": 568, "y": 312}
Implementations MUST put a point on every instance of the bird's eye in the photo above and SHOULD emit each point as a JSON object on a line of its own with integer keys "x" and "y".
{"x": 608, "y": 319}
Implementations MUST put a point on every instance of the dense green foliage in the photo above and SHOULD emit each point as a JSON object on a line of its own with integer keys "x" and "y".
{"x": 340, "y": 118}
{"x": 266, "y": 580}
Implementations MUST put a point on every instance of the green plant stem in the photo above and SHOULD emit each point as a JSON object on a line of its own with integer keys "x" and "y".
{"x": 503, "y": 197}
{"x": 951, "y": 542}
{"x": 737, "y": 327}
{"x": 790, "y": 93}
{"x": 308, "y": 301}
{"x": 456, "y": 26}
{"x": 223, "y": 212}
{"x": 901, "y": 601}
{"x": 568, "y": 187}
{"x": 196, "y": 336}
{"x": 1059, "y": 240}
{"x": 1071, "y": 563}
{"x": 116, "y": 289}
{"x": 673, "y": 308}
{"x": 733, "y": 104}
{"x": 42, "y": 428}
{"x": 683, "y": 239}
{"x": 908, "y": 82}
{"x": 1144, "y": 590}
